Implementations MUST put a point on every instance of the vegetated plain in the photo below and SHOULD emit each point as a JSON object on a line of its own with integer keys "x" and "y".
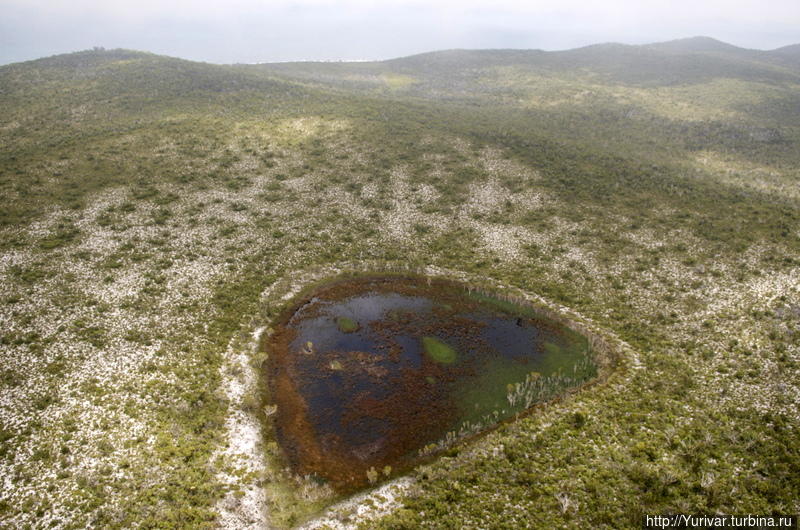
{"x": 151, "y": 205}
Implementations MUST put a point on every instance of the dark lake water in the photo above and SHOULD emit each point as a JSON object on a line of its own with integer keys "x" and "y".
{"x": 371, "y": 375}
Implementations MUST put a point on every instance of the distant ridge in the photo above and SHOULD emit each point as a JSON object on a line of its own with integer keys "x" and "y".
{"x": 695, "y": 44}
{"x": 432, "y": 74}
{"x": 688, "y": 50}
{"x": 789, "y": 54}
{"x": 792, "y": 49}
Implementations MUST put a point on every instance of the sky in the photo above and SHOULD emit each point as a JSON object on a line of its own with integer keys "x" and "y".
{"x": 251, "y": 31}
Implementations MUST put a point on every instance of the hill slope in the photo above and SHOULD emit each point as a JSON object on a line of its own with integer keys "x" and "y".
{"x": 676, "y": 62}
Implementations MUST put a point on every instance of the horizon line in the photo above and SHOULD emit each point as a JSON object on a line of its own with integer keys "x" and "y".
{"x": 363, "y": 60}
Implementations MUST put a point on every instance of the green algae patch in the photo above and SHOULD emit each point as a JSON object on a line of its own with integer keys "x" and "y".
{"x": 439, "y": 351}
{"x": 346, "y": 324}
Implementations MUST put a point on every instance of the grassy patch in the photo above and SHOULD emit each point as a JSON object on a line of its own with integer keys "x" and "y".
{"x": 346, "y": 324}
{"x": 439, "y": 351}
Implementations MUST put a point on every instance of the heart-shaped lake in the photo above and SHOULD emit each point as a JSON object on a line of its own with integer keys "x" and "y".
{"x": 371, "y": 375}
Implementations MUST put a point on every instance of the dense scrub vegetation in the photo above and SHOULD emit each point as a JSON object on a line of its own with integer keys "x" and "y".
{"x": 150, "y": 201}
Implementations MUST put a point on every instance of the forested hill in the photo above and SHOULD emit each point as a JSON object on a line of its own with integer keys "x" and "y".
{"x": 124, "y": 81}
{"x": 639, "y": 105}
{"x": 644, "y": 104}
{"x": 693, "y": 60}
